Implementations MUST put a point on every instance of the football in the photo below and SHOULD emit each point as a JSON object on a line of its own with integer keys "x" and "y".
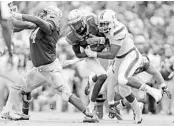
{"x": 97, "y": 47}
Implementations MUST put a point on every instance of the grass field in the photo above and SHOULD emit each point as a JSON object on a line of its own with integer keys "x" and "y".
{"x": 75, "y": 119}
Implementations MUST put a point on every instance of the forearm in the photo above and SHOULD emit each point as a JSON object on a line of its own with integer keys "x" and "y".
{"x": 105, "y": 55}
{"x": 81, "y": 55}
{"x": 30, "y": 18}
{"x": 156, "y": 74}
{"x": 44, "y": 25}
{"x": 22, "y": 24}
{"x": 17, "y": 29}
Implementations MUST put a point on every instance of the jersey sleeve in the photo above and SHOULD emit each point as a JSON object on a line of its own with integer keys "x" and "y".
{"x": 5, "y": 10}
{"x": 69, "y": 38}
{"x": 118, "y": 35}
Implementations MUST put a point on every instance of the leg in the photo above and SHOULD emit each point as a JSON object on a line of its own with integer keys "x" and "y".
{"x": 127, "y": 68}
{"x": 95, "y": 66}
{"x": 126, "y": 93}
{"x": 64, "y": 91}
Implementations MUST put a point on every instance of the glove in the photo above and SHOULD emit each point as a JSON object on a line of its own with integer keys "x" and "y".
{"x": 166, "y": 91}
{"x": 90, "y": 53}
{"x": 18, "y": 16}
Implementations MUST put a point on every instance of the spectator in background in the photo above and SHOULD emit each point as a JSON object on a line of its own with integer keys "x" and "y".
{"x": 166, "y": 69}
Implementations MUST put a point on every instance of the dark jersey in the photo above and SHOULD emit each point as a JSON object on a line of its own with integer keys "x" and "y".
{"x": 75, "y": 39}
{"x": 43, "y": 46}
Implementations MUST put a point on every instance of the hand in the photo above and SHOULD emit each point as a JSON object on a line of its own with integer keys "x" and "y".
{"x": 166, "y": 91}
{"x": 90, "y": 53}
{"x": 18, "y": 16}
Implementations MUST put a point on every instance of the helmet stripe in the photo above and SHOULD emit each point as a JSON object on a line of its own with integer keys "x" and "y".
{"x": 101, "y": 15}
{"x": 119, "y": 31}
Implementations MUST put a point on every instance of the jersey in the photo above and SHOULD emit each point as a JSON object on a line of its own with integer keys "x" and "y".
{"x": 75, "y": 39}
{"x": 43, "y": 46}
{"x": 4, "y": 10}
{"x": 120, "y": 36}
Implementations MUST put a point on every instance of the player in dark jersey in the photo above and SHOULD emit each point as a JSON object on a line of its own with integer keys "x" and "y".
{"x": 47, "y": 68}
{"x": 83, "y": 32}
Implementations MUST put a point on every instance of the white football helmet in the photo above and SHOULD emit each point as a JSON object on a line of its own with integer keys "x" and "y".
{"x": 76, "y": 20}
{"x": 106, "y": 20}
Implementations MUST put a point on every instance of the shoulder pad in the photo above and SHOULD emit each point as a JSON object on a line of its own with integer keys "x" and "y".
{"x": 119, "y": 32}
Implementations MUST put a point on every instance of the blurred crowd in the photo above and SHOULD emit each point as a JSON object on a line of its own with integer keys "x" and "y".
{"x": 150, "y": 25}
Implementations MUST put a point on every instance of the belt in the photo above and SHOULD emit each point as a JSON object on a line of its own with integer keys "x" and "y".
{"x": 122, "y": 56}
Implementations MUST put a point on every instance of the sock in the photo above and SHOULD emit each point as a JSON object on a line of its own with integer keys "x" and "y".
{"x": 100, "y": 81}
{"x": 136, "y": 109}
{"x": 13, "y": 99}
{"x": 146, "y": 88}
{"x": 26, "y": 102}
{"x": 130, "y": 98}
{"x": 77, "y": 103}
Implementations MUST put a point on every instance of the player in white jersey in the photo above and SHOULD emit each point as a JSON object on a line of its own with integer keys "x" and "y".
{"x": 8, "y": 73}
{"x": 126, "y": 59}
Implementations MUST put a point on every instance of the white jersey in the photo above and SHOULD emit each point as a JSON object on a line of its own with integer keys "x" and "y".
{"x": 120, "y": 36}
{"x": 5, "y": 10}
{"x": 2, "y": 42}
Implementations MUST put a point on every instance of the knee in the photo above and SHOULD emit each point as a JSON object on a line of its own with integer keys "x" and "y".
{"x": 103, "y": 76}
{"x": 123, "y": 90}
{"x": 64, "y": 93}
{"x": 122, "y": 80}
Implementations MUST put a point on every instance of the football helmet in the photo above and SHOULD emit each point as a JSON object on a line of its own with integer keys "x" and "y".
{"x": 106, "y": 20}
{"x": 52, "y": 13}
{"x": 76, "y": 21}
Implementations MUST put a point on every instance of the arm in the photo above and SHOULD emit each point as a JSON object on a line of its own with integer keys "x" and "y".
{"x": 44, "y": 25}
{"x": 6, "y": 32}
{"x": 78, "y": 53}
{"x": 156, "y": 74}
{"x": 22, "y": 24}
{"x": 76, "y": 49}
{"x": 111, "y": 54}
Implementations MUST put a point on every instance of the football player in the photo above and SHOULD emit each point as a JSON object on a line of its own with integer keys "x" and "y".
{"x": 47, "y": 68}
{"x": 11, "y": 73}
{"x": 126, "y": 59}
{"x": 83, "y": 32}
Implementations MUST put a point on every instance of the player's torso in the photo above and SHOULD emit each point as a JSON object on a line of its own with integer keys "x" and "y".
{"x": 43, "y": 47}
{"x": 121, "y": 32}
{"x": 91, "y": 30}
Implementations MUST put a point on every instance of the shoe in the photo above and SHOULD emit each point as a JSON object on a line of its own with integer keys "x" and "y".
{"x": 99, "y": 110}
{"x": 93, "y": 119}
{"x": 23, "y": 116}
{"x": 157, "y": 95}
{"x": 138, "y": 117}
{"x": 10, "y": 115}
{"x": 117, "y": 109}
